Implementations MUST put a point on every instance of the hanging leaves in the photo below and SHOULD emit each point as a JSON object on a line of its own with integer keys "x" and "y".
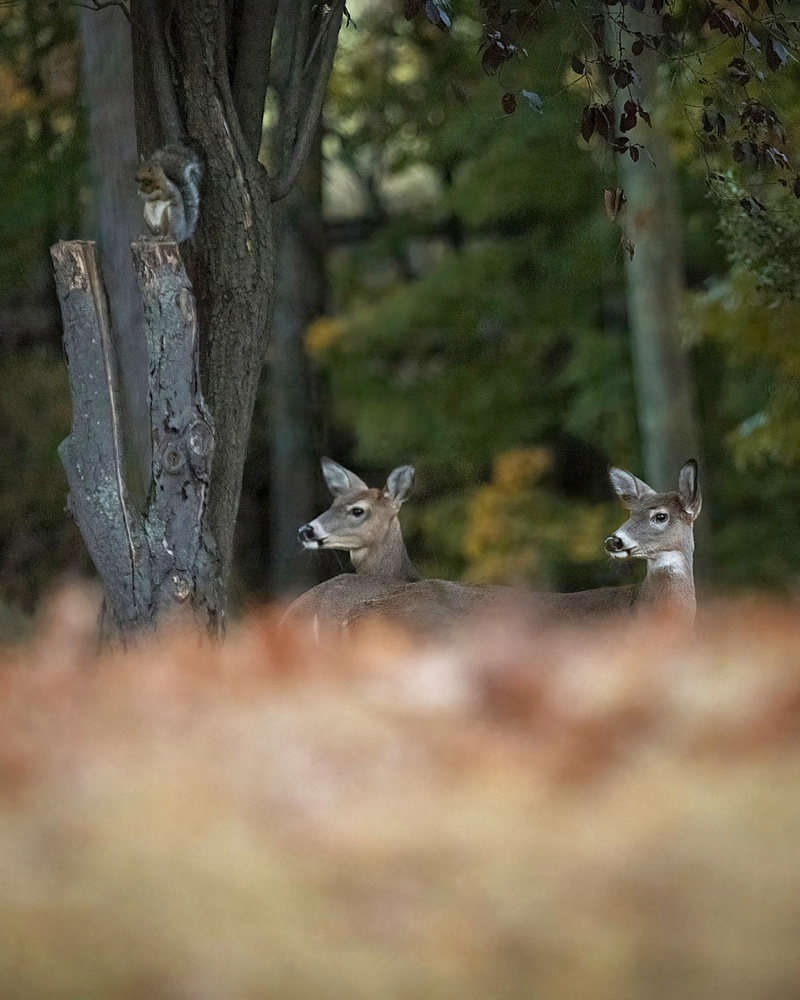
{"x": 597, "y": 118}
{"x": 762, "y": 36}
{"x": 775, "y": 54}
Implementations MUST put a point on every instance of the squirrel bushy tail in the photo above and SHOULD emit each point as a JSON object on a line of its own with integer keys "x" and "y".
{"x": 170, "y": 185}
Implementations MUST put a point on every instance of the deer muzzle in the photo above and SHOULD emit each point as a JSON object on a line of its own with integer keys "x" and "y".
{"x": 307, "y": 534}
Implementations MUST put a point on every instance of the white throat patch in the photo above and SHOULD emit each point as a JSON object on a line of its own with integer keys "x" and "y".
{"x": 672, "y": 562}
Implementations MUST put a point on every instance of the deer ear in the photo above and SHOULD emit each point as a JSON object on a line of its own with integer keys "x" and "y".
{"x": 689, "y": 489}
{"x": 627, "y": 487}
{"x": 399, "y": 484}
{"x": 339, "y": 479}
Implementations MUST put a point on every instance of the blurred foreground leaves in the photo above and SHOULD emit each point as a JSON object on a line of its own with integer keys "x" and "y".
{"x": 609, "y": 814}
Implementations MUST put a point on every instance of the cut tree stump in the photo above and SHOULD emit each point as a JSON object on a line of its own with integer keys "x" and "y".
{"x": 160, "y": 561}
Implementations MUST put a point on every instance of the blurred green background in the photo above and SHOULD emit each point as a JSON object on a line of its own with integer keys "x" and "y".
{"x": 473, "y": 320}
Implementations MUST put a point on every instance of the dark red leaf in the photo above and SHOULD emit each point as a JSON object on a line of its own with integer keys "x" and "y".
{"x": 638, "y": 47}
{"x": 634, "y": 153}
{"x": 775, "y": 54}
{"x": 622, "y": 77}
{"x": 739, "y": 70}
{"x": 509, "y": 102}
{"x": 604, "y": 120}
{"x": 589, "y": 121}
{"x": 724, "y": 21}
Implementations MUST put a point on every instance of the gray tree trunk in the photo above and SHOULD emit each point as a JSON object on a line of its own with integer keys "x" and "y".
{"x": 155, "y": 563}
{"x": 115, "y": 215}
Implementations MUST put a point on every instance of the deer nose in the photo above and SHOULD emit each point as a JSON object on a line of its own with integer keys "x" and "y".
{"x": 614, "y": 544}
{"x": 306, "y": 533}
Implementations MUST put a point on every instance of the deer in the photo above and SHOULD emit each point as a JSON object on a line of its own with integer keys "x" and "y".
{"x": 363, "y": 522}
{"x": 659, "y": 530}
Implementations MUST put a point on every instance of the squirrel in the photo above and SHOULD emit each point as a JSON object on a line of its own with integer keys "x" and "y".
{"x": 169, "y": 184}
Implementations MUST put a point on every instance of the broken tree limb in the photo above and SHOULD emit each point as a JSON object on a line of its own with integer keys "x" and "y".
{"x": 183, "y": 565}
{"x": 162, "y": 561}
{"x": 92, "y": 454}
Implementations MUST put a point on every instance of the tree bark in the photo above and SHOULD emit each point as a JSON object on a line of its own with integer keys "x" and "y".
{"x": 156, "y": 564}
{"x": 92, "y": 454}
{"x": 200, "y": 77}
{"x": 182, "y": 562}
{"x": 232, "y": 254}
{"x": 115, "y": 215}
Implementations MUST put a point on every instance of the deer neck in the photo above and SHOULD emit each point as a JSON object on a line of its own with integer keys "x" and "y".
{"x": 389, "y": 559}
{"x": 669, "y": 584}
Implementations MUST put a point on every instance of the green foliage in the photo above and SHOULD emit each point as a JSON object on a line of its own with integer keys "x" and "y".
{"x": 36, "y": 535}
{"x": 42, "y": 129}
{"x": 485, "y": 315}
{"x": 483, "y": 324}
{"x": 754, "y": 314}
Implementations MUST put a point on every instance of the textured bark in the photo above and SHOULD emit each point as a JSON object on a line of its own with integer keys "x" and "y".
{"x": 655, "y": 279}
{"x": 92, "y": 454}
{"x": 182, "y": 563}
{"x": 155, "y": 565}
{"x": 200, "y": 75}
{"x": 232, "y": 259}
{"x": 115, "y": 216}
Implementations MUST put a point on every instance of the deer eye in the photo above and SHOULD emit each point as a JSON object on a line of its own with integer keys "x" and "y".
{"x": 661, "y": 517}
{"x": 357, "y": 511}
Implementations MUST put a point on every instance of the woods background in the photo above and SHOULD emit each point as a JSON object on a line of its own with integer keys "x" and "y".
{"x": 451, "y": 293}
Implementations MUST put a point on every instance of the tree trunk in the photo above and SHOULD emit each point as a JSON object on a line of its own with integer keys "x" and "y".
{"x": 156, "y": 563}
{"x": 655, "y": 281}
{"x": 293, "y": 412}
{"x": 232, "y": 255}
{"x": 115, "y": 215}
{"x": 201, "y": 72}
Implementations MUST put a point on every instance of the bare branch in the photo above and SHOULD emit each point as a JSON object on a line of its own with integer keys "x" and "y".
{"x": 290, "y": 109}
{"x": 319, "y": 85}
{"x": 150, "y": 49}
{"x": 252, "y": 60}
